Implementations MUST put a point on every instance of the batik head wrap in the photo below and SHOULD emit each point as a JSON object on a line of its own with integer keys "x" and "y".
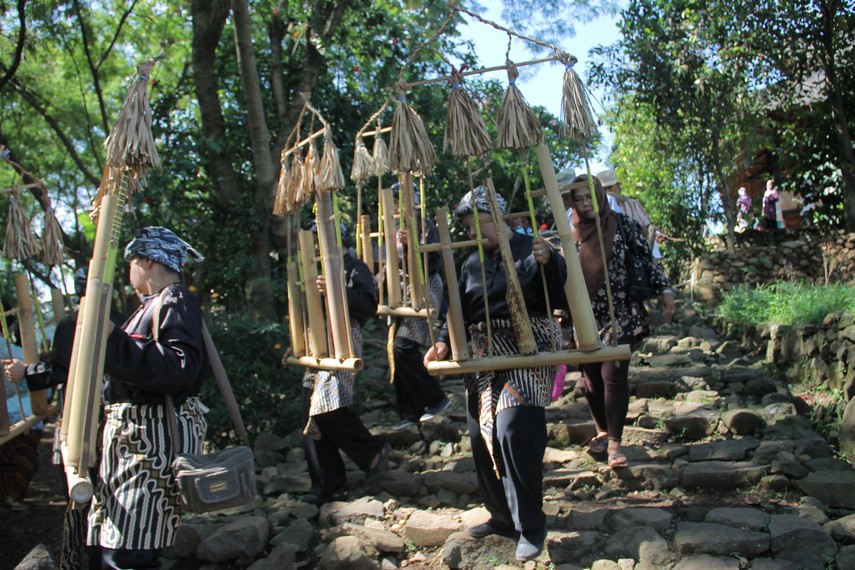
{"x": 477, "y": 200}
{"x": 585, "y": 233}
{"x": 163, "y": 246}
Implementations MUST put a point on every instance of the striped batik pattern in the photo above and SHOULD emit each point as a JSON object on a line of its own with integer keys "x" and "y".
{"x": 500, "y": 389}
{"x": 331, "y": 390}
{"x": 136, "y": 505}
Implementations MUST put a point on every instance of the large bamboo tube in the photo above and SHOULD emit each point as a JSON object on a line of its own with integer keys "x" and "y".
{"x": 352, "y": 364}
{"x": 454, "y": 317}
{"x": 367, "y": 246}
{"x": 86, "y": 377}
{"x": 314, "y": 305}
{"x": 29, "y": 344}
{"x": 338, "y": 319}
{"x": 407, "y": 215}
{"x": 393, "y": 278}
{"x": 71, "y": 385}
{"x": 513, "y": 293}
{"x": 584, "y": 322}
{"x": 443, "y": 367}
{"x": 57, "y": 302}
{"x": 423, "y": 313}
{"x": 296, "y": 326}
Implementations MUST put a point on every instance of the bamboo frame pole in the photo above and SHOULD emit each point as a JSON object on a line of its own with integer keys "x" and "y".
{"x": 338, "y": 319}
{"x": 367, "y": 246}
{"x": 25, "y": 424}
{"x": 423, "y": 313}
{"x": 513, "y": 293}
{"x": 352, "y": 364}
{"x": 574, "y": 287}
{"x": 447, "y": 78}
{"x": 393, "y": 279}
{"x": 29, "y": 344}
{"x": 406, "y": 212}
{"x": 445, "y": 367}
{"x": 456, "y": 326}
{"x": 431, "y": 247}
{"x": 314, "y": 304}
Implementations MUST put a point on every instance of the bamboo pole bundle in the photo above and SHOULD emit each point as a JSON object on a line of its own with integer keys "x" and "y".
{"x": 409, "y": 145}
{"x": 518, "y": 126}
{"x": 315, "y": 313}
{"x": 338, "y": 317}
{"x": 363, "y": 164}
{"x": 465, "y": 131}
{"x": 365, "y": 238}
{"x": 407, "y": 221}
{"x": 20, "y": 242}
{"x": 578, "y": 120}
{"x": 130, "y": 153}
{"x": 51, "y": 239}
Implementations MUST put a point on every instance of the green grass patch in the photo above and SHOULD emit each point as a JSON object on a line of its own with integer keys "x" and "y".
{"x": 785, "y": 303}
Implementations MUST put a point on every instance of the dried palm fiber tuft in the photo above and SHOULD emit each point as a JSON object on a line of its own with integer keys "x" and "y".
{"x": 280, "y": 203}
{"x": 363, "y": 164}
{"x": 465, "y": 131}
{"x": 130, "y": 144}
{"x": 20, "y": 242}
{"x": 518, "y": 125}
{"x": 51, "y": 239}
{"x": 409, "y": 145}
{"x": 294, "y": 184}
{"x": 331, "y": 177}
{"x": 309, "y": 182}
{"x": 579, "y": 121}
{"x": 381, "y": 155}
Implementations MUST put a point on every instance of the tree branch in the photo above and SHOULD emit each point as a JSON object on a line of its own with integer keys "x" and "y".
{"x": 19, "y": 45}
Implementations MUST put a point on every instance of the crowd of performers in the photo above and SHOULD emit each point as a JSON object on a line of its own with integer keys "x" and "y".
{"x": 135, "y": 511}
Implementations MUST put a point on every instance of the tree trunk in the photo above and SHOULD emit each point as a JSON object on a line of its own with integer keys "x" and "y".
{"x": 829, "y": 12}
{"x": 209, "y": 18}
{"x": 724, "y": 193}
{"x": 259, "y": 286}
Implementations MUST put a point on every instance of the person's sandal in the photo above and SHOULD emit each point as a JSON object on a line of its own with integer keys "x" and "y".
{"x": 617, "y": 460}
{"x": 599, "y": 443}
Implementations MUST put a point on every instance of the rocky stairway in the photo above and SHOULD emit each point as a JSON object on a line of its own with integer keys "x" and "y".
{"x": 725, "y": 472}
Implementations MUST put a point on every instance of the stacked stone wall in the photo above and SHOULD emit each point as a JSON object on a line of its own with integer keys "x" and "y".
{"x": 830, "y": 258}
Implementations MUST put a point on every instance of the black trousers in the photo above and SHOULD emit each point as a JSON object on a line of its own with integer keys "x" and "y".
{"x": 343, "y": 430}
{"x": 126, "y": 559}
{"x": 607, "y": 393}
{"x": 415, "y": 389}
{"x": 516, "y": 500}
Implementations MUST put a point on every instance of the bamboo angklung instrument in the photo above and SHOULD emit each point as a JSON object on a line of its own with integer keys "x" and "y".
{"x": 130, "y": 153}
{"x": 459, "y": 348}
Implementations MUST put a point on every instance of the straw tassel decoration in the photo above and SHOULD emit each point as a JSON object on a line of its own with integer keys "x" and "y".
{"x": 294, "y": 183}
{"x": 130, "y": 144}
{"x": 518, "y": 125}
{"x": 309, "y": 181}
{"x": 280, "y": 203}
{"x": 52, "y": 239}
{"x": 465, "y": 131}
{"x": 410, "y": 148}
{"x": 381, "y": 155}
{"x": 579, "y": 122}
{"x": 330, "y": 176}
{"x": 363, "y": 164}
{"x": 20, "y": 242}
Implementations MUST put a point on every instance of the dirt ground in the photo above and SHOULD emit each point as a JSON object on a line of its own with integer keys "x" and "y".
{"x": 41, "y": 521}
